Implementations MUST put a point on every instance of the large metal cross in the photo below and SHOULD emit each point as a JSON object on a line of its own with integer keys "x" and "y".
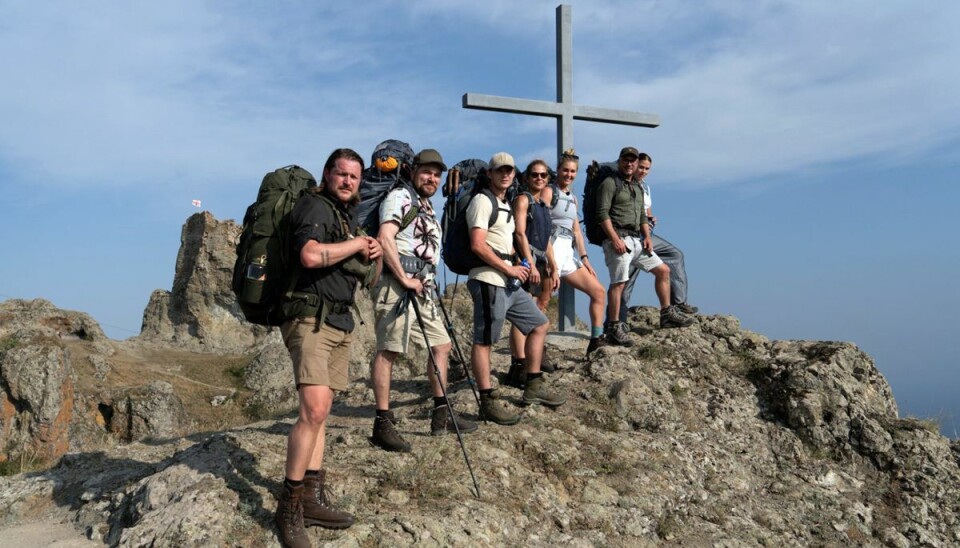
{"x": 565, "y": 112}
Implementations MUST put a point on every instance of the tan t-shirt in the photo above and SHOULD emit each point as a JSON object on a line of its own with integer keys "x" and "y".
{"x": 499, "y": 236}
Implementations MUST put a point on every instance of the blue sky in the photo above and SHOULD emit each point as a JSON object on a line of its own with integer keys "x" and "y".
{"x": 805, "y": 163}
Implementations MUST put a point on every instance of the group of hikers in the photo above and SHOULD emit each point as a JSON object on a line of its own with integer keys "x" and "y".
{"x": 521, "y": 251}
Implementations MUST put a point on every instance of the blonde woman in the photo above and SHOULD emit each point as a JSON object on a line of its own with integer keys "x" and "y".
{"x": 569, "y": 249}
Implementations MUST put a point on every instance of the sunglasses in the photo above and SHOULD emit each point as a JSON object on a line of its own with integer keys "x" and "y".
{"x": 537, "y": 175}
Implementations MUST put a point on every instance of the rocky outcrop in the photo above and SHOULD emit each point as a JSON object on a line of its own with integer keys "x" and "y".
{"x": 146, "y": 412}
{"x": 707, "y": 435}
{"x": 36, "y": 406}
{"x": 37, "y": 382}
{"x": 200, "y": 313}
{"x": 59, "y": 390}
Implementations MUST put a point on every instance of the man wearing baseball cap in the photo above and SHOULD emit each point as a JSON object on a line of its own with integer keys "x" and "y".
{"x": 411, "y": 253}
{"x": 495, "y": 300}
{"x": 628, "y": 247}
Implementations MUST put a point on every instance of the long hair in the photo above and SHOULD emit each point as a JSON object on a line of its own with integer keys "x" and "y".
{"x": 342, "y": 154}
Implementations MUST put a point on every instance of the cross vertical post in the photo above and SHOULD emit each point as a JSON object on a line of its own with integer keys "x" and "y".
{"x": 565, "y": 111}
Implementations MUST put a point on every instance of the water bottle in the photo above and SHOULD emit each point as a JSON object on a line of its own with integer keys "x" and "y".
{"x": 514, "y": 283}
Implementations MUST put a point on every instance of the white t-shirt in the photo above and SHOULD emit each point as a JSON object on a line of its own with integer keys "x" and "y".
{"x": 499, "y": 236}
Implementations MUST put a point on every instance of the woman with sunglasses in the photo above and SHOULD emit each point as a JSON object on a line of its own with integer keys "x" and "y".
{"x": 568, "y": 245}
{"x": 533, "y": 227}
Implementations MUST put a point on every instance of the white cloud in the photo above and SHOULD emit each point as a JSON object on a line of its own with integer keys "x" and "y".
{"x": 745, "y": 90}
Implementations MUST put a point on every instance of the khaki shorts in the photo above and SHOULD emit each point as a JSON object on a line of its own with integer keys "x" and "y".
{"x": 319, "y": 356}
{"x": 394, "y": 327}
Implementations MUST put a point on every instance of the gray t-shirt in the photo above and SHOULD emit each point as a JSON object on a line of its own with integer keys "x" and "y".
{"x": 566, "y": 211}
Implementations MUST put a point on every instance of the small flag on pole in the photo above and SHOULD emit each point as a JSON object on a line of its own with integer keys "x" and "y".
{"x": 196, "y": 203}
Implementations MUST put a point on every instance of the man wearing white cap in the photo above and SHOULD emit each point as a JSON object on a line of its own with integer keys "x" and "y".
{"x": 494, "y": 300}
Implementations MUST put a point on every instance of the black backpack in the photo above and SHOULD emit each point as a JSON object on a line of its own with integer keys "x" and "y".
{"x": 596, "y": 174}
{"x": 466, "y": 182}
{"x": 265, "y": 271}
{"x": 539, "y": 225}
{"x": 389, "y": 168}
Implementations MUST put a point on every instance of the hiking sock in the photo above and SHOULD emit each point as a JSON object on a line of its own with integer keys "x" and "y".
{"x": 312, "y": 473}
{"x": 439, "y": 401}
{"x": 382, "y": 412}
{"x": 486, "y": 391}
{"x": 596, "y": 331}
{"x": 293, "y": 483}
{"x": 531, "y": 376}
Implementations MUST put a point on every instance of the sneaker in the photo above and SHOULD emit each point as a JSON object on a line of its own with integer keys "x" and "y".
{"x": 537, "y": 392}
{"x": 494, "y": 410}
{"x": 289, "y": 517}
{"x": 385, "y": 434}
{"x": 440, "y": 422}
{"x": 686, "y": 308}
{"x": 616, "y": 334}
{"x": 317, "y": 509}
{"x": 517, "y": 375}
{"x": 595, "y": 343}
{"x": 672, "y": 317}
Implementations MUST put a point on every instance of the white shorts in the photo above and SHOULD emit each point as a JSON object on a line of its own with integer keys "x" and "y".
{"x": 565, "y": 255}
{"x": 620, "y": 266}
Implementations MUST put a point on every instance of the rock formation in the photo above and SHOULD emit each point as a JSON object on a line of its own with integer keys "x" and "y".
{"x": 706, "y": 435}
{"x": 200, "y": 313}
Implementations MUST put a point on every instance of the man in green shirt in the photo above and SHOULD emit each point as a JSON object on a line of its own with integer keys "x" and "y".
{"x": 628, "y": 248}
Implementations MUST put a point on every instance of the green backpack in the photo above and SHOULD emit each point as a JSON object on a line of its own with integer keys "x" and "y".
{"x": 265, "y": 271}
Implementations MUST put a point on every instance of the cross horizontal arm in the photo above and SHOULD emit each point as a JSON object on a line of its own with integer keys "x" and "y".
{"x": 615, "y": 116}
{"x": 510, "y": 104}
{"x": 556, "y": 110}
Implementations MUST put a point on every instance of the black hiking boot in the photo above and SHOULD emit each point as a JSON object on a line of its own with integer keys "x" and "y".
{"x": 385, "y": 434}
{"x": 517, "y": 375}
{"x": 317, "y": 509}
{"x": 289, "y": 517}
{"x": 440, "y": 422}
{"x": 595, "y": 343}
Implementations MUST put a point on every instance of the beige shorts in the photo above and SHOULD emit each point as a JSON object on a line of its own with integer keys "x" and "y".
{"x": 319, "y": 356}
{"x": 395, "y": 327}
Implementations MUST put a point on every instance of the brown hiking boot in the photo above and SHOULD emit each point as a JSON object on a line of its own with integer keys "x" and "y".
{"x": 616, "y": 334}
{"x": 546, "y": 364}
{"x": 316, "y": 505}
{"x": 493, "y": 409}
{"x": 537, "y": 392}
{"x": 672, "y": 317}
{"x": 385, "y": 434}
{"x": 440, "y": 422}
{"x": 289, "y": 518}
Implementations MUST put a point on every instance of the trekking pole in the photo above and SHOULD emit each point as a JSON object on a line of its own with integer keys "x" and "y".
{"x": 456, "y": 346}
{"x": 443, "y": 389}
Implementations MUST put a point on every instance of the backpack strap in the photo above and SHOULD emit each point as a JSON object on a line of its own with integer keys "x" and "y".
{"x": 341, "y": 220}
{"x": 495, "y": 206}
{"x": 414, "y": 210}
